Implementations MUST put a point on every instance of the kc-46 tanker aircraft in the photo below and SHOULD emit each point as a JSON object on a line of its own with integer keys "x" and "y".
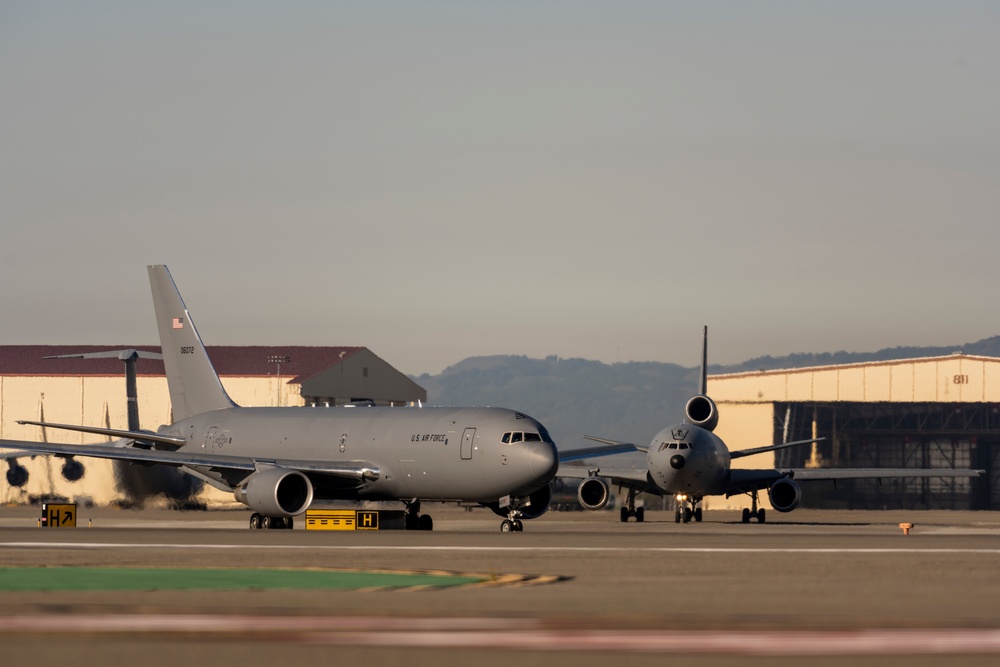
{"x": 277, "y": 461}
{"x": 688, "y": 461}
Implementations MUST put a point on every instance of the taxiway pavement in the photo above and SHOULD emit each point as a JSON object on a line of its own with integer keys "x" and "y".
{"x": 835, "y": 573}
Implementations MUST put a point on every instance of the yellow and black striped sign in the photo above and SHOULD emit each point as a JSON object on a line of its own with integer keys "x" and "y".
{"x": 354, "y": 520}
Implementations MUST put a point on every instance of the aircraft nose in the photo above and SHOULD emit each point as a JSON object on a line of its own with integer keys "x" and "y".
{"x": 543, "y": 461}
{"x": 677, "y": 461}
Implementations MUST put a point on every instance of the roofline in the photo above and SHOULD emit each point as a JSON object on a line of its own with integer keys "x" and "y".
{"x": 860, "y": 364}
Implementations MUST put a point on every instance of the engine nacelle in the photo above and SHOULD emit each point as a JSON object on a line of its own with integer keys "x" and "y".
{"x": 531, "y": 506}
{"x": 17, "y": 474}
{"x": 785, "y": 495}
{"x": 72, "y": 470}
{"x": 593, "y": 493}
{"x": 702, "y": 412}
{"x": 276, "y": 492}
{"x": 537, "y": 503}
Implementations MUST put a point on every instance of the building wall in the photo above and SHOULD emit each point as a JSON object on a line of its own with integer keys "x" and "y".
{"x": 957, "y": 378}
{"x": 100, "y": 401}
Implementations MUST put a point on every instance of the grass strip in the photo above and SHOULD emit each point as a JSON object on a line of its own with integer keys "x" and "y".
{"x": 148, "y": 579}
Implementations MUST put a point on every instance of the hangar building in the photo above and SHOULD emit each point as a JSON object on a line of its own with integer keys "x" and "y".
{"x": 935, "y": 412}
{"x": 93, "y": 392}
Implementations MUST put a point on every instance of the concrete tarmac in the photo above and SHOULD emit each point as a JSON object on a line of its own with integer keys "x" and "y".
{"x": 827, "y": 586}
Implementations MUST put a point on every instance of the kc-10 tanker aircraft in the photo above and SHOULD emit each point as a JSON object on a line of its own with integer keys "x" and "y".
{"x": 688, "y": 461}
{"x": 277, "y": 461}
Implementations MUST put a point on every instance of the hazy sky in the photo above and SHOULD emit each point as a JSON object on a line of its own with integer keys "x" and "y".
{"x": 437, "y": 180}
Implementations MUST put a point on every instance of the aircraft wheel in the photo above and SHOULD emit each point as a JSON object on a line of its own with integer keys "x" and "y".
{"x": 255, "y": 521}
{"x": 289, "y": 523}
{"x": 506, "y": 526}
{"x": 640, "y": 514}
{"x": 697, "y": 515}
{"x": 677, "y": 516}
{"x": 425, "y": 522}
{"x": 746, "y": 515}
{"x": 624, "y": 513}
{"x": 760, "y": 516}
{"x": 518, "y": 526}
{"x": 411, "y": 522}
{"x": 687, "y": 515}
{"x": 267, "y": 522}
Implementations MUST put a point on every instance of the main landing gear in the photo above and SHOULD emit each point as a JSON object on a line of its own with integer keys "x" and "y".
{"x": 629, "y": 509}
{"x": 753, "y": 512}
{"x": 270, "y": 522}
{"x": 686, "y": 509}
{"x": 414, "y": 520}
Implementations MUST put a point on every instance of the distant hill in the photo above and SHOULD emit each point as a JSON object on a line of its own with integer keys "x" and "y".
{"x": 625, "y": 401}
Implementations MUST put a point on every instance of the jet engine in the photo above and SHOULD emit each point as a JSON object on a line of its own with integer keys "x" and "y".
{"x": 536, "y": 504}
{"x": 17, "y": 474}
{"x": 276, "y": 492}
{"x": 785, "y": 495}
{"x": 593, "y": 493}
{"x": 72, "y": 470}
{"x": 701, "y": 411}
{"x": 531, "y": 506}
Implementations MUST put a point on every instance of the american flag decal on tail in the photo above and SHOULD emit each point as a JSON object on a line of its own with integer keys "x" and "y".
{"x": 178, "y": 322}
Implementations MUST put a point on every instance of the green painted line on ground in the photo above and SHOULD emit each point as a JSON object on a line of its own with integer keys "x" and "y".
{"x": 147, "y": 579}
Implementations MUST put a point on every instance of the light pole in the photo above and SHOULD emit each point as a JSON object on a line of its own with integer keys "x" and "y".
{"x": 278, "y": 359}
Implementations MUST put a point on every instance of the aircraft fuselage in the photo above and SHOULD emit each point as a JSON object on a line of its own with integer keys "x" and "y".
{"x": 686, "y": 459}
{"x": 428, "y": 453}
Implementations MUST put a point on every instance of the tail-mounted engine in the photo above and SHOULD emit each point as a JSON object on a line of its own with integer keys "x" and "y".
{"x": 276, "y": 492}
{"x": 785, "y": 495}
{"x": 701, "y": 411}
{"x": 593, "y": 493}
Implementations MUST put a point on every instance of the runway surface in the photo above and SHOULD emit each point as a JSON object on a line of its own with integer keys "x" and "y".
{"x": 829, "y": 586}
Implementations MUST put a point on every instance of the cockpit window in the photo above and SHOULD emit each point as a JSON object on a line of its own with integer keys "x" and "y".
{"x": 517, "y": 436}
{"x": 684, "y": 445}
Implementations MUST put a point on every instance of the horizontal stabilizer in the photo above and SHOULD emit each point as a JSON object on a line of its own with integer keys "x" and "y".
{"x": 112, "y": 433}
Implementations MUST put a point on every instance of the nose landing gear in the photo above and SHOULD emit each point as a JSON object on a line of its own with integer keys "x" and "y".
{"x": 687, "y": 508}
{"x": 512, "y": 524}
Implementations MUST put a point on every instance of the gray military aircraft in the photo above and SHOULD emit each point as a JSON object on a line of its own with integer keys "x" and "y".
{"x": 688, "y": 461}
{"x": 277, "y": 461}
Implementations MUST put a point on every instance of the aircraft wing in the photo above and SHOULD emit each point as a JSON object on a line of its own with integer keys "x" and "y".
{"x": 770, "y": 448}
{"x": 607, "y": 449}
{"x": 636, "y": 477}
{"x": 16, "y": 455}
{"x": 745, "y": 481}
{"x": 356, "y": 470}
{"x": 818, "y": 474}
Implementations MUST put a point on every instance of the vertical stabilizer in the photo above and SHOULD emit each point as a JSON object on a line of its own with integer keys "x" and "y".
{"x": 193, "y": 383}
{"x": 703, "y": 387}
